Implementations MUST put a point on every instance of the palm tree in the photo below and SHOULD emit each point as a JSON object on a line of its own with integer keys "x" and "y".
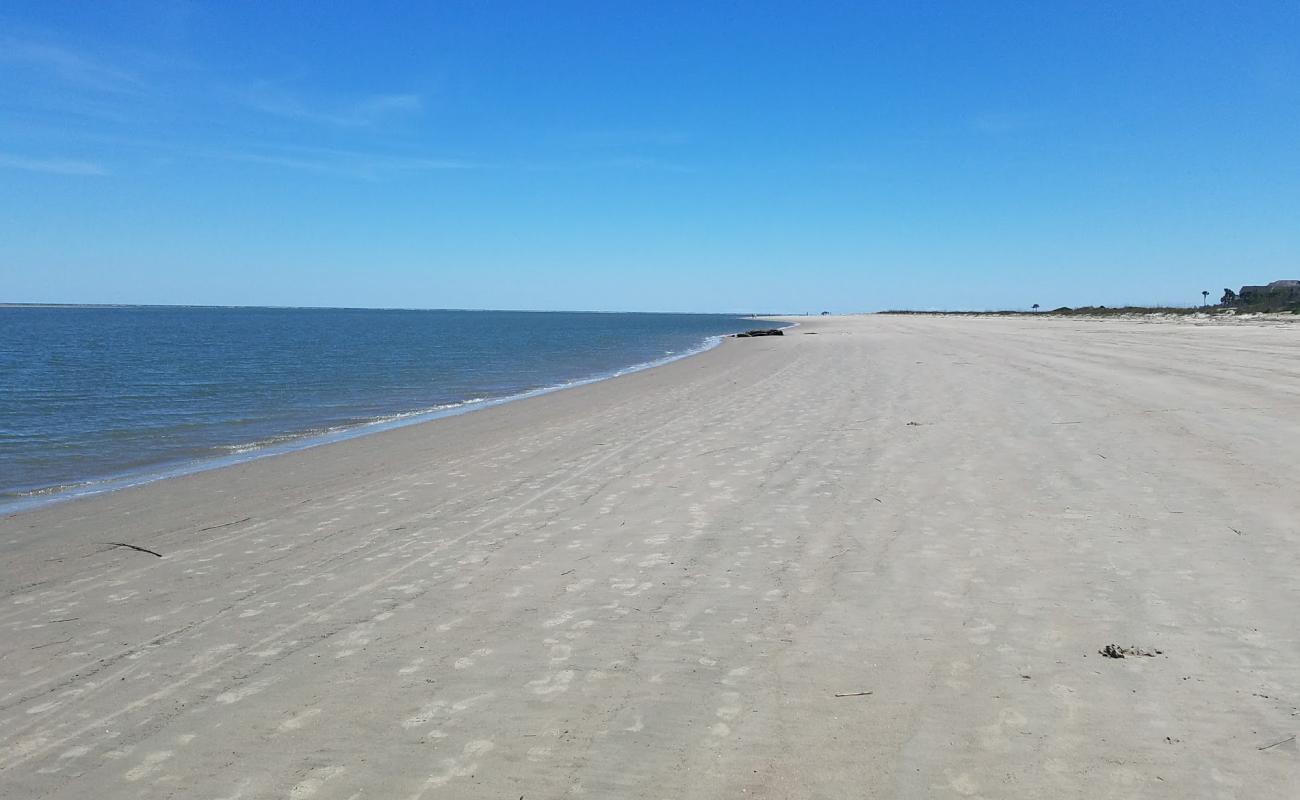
{"x": 1035, "y": 306}
{"x": 1205, "y": 298}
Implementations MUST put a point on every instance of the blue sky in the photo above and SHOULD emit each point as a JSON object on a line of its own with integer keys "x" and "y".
{"x": 647, "y": 156}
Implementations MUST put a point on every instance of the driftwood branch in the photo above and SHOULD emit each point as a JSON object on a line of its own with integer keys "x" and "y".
{"x": 61, "y": 641}
{"x": 223, "y": 525}
{"x": 134, "y": 547}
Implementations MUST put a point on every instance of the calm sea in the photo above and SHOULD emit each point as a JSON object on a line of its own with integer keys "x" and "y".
{"x": 94, "y": 398}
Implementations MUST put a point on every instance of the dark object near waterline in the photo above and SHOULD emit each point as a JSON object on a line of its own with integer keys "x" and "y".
{"x": 1116, "y": 651}
{"x": 769, "y": 332}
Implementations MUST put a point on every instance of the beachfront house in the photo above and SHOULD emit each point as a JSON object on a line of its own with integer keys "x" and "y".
{"x": 1275, "y": 296}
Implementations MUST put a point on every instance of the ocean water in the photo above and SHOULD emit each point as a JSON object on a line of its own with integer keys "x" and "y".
{"x": 92, "y": 398}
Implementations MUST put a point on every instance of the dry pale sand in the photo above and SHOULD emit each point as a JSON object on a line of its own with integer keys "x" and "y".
{"x": 657, "y": 586}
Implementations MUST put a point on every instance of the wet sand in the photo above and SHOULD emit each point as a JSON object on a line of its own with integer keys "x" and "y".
{"x": 875, "y": 557}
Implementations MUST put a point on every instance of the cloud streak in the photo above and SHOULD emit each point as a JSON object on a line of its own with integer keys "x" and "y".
{"x": 364, "y": 112}
{"x": 625, "y": 162}
{"x": 51, "y": 166}
{"x": 1000, "y": 123}
{"x": 348, "y": 163}
{"x": 69, "y": 66}
{"x": 630, "y": 138}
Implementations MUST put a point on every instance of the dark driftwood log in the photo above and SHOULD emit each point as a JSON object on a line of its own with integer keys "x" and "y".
{"x": 134, "y": 547}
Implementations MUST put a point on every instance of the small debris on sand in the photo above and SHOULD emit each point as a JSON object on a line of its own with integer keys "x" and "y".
{"x": 1117, "y": 651}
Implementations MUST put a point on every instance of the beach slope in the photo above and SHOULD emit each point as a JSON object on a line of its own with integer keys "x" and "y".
{"x": 875, "y": 557}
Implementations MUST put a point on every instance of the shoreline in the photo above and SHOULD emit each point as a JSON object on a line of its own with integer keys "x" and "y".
{"x": 291, "y": 442}
{"x": 336, "y": 463}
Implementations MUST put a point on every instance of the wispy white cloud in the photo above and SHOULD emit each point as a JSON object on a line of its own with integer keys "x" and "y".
{"x": 638, "y": 162}
{"x": 53, "y": 166}
{"x": 630, "y": 138}
{"x": 348, "y": 163}
{"x": 627, "y": 162}
{"x": 70, "y": 66}
{"x": 375, "y": 165}
{"x": 351, "y": 113}
{"x": 380, "y": 104}
{"x": 995, "y": 123}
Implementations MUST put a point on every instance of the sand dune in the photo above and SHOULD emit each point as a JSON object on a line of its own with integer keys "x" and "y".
{"x": 681, "y": 583}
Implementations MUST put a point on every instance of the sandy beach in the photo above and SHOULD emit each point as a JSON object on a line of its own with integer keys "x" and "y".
{"x": 876, "y": 557}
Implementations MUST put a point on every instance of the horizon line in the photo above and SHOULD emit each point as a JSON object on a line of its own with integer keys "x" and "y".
{"x": 20, "y": 304}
